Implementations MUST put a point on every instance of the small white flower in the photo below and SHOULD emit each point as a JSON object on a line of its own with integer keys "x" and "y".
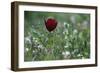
{"x": 34, "y": 38}
{"x": 68, "y": 25}
{"x": 40, "y": 46}
{"x": 65, "y": 31}
{"x": 33, "y": 51}
{"x": 27, "y": 49}
{"x": 75, "y": 31}
{"x": 76, "y": 50}
{"x": 79, "y": 55}
{"x": 66, "y": 37}
{"x": 27, "y": 39}
{"x": 65, "y": 23}
{"x": 36, "y": 41}
{"x": 66, "y": 46}
{"x": 66, "y": 54}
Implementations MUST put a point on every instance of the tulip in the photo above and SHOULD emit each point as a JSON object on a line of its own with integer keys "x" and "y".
{"x": 50, "y": 24}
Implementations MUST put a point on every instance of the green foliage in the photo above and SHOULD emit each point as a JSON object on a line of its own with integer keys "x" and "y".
{"x": 70, "y": 39}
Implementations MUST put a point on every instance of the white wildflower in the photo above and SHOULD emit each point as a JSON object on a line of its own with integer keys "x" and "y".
{"x": 76, "y": 50}
{"x": 66, "y": 37}
{"x": 36, "y": 41}
{"x": 40, "y": 46}
{"x": 65, "y": 23}
{"x": 33, "y": 51}
{"x": 79, "y": 55}
{"x": 27, "y": 49}
{"x": 75, "y": 31}
{"x": 65, "y": 31}
{"x": 68, "y": 25}
{"x": 34, "y": 38}
{"x": 66, "y": 46}
{"x": 27, "y": 39}
{"x": 66, "y": 54}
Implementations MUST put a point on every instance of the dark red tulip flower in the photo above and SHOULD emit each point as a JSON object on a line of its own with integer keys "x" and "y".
{"x": 50, "y": 24}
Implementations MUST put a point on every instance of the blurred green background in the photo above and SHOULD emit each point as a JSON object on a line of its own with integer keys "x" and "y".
{"x": 70, "y": 39}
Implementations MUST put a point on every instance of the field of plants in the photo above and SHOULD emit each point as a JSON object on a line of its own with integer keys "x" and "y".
{"x": 56, "y": 36}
